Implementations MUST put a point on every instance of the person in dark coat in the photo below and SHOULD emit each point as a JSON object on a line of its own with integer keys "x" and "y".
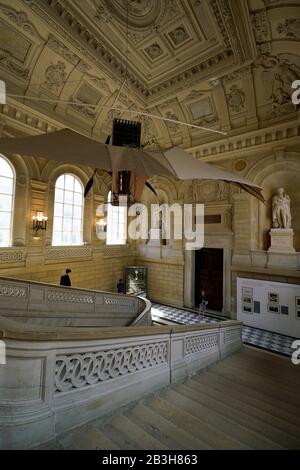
{"x": 121, "y": 287}
{"x": 65, "y": 279}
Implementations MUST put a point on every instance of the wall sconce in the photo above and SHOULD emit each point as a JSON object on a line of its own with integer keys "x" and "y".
{"x": 39, "y": 222}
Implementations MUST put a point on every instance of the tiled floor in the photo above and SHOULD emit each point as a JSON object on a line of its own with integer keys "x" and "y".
{"x": 267, "y": 340}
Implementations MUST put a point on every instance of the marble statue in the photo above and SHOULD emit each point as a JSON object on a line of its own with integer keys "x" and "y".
{"x": 281, "y": 210}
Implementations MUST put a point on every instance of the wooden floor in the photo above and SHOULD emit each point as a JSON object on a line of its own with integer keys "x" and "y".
{"x": 249, "y": 400}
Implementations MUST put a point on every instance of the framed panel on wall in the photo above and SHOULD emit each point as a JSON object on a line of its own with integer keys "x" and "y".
{"x": 247, "y": 300}
{"x": 247, "y": 291}
{"x": 247, "y": 308}
{"x": 273, "y": 308}
{"x": 136, "y": 280}
{"x": 273, "y": 297}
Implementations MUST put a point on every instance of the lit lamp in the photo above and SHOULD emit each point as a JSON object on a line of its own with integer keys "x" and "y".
{"x": 39, "y": 222}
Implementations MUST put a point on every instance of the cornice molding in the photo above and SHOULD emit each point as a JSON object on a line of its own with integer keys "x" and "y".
{"x": 261, "y": 139}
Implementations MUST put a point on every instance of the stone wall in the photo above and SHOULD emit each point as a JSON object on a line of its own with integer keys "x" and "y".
{"x": 98, "y": 272}
{"x": 165, "y": 280}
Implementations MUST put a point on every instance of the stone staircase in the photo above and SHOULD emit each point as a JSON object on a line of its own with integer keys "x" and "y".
{"x": 248, "y": 401}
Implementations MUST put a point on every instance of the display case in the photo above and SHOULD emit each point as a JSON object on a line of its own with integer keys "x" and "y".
{"x": 136, "y": 280}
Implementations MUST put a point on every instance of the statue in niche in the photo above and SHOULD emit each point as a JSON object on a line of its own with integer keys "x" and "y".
{"x": 281, "y": 210}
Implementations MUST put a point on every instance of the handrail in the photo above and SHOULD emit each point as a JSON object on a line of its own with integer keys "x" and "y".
{"x": 11, "y": 329}
{"x": 51, "y": 304}
{"x": 56, "y": 378}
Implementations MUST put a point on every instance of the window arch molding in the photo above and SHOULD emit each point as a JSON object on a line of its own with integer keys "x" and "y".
{"x": 21, "y": 200}
{"x": 51, "y": 173}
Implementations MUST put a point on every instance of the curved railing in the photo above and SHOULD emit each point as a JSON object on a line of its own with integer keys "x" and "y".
{"x": 53, "y": 305}
{"x": 55, "y": 378}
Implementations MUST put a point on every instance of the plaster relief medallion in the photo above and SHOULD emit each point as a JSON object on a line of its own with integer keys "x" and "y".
{"x": 240, "y": 165}
{"x": 154, "y": 51}
{"x": 290, "y": 28}
{"x": 55, "y": 76}
{"x": 236, "y": 99}
{"x": 178, "y": 35}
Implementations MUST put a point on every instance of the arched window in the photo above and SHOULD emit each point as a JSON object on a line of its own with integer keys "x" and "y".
{"x": 116, "y": 224}
{"x": 68, "y": 211}
{"x": 7, "y": 192}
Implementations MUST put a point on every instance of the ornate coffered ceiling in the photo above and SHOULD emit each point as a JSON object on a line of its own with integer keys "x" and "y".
{"x": 224, "y": 64}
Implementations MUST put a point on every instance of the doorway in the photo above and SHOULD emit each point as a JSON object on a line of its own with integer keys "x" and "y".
{"x": 209, "y": 277}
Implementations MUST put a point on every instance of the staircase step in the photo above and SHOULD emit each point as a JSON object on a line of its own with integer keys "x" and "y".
{"x": 165, "y": 431}
{"x": 192, "y": 425}
{"x": 261, "y": 384}
{"x": 285, "y": 374}
{"x": 91, "y": 438}
{"x": 138, "y": 436}
{"x": 249, "y": 400}
{"x": 210, "y": 381}
{"x": 241, "y": 433}
{"x": 244, "y": 414}
{"x": 121, "y": 439}
{"x": 253, "y": 398}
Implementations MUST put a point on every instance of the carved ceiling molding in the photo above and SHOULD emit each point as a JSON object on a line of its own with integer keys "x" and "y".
{"x": 227, "y": 27}
{"x": 261, "y": 26}
{"x": 20, "y": 19}
{"x": 26, "y": 118}
{"x": 141, "y": 14}
{"x": 190, "y": 77}
{"x": 236, "y": 99}
{"x": 114, "y": 69}
{"x": 290, "y": 28}
{"x": 27, "y": 34}
{"x": 46, "y": 9}
{"x": 247, "y": 142}
{"x": 277, "y": 74}
{"x": 62, "y": 50}
{"x": 236, "y": 75}
{"x": 12, "y": 66}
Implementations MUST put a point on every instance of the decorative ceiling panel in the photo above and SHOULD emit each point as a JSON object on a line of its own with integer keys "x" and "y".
{"x": 221, "y": 64}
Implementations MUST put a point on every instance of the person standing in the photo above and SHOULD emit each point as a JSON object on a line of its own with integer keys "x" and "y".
{"x": 202, "y": 305}
{"x": 121, "y": 288}
{"x": 65, "y": 279}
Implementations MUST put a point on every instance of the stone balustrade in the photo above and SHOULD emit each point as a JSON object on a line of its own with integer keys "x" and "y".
{"x": 56, "y": 379}
{"x": 53, "y": 305}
